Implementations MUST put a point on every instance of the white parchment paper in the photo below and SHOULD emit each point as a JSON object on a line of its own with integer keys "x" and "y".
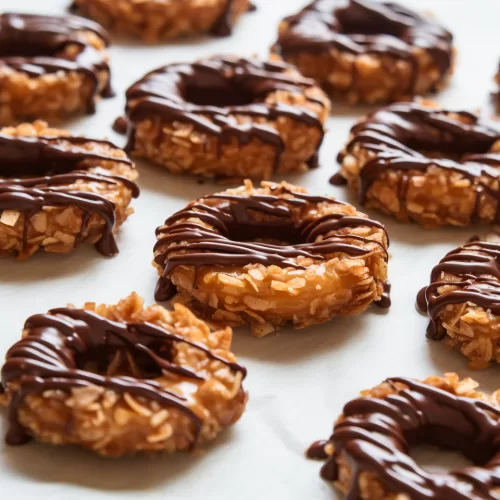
{"x": 298, "y": 380}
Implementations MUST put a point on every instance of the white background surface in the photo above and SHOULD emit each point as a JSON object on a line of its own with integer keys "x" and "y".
{"x": 298, "y": 380}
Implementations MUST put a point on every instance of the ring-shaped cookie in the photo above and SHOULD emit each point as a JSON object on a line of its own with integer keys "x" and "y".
{"x": 155, "y": 20}
{"x": 58, "y": 191}
{"x": 121, "y": 379}
{"x": 462, "y": 301}
{"x": 227, "y": 117}
{"x": 272, "y": 255}
{"x": 366, "y": 51}
{"x": 368, "y": 453}
{"x": 424, "y": 164}
{"x": 51, "y": 67}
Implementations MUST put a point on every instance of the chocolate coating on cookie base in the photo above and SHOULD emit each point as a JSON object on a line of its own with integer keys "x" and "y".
{"x": 364, "y": 27}
{"x": 223, "y": 27}
{"x": 219, "y": 88}
{"x": 406, "y": 137}
{"x": 59, "y": 343}
{"x": 376, "y": 434}
{"x": 477, "y": 268}
{"x": 34, "y": 172}
{"x": 35, "y": 45}
{"x": 229, "y": 242}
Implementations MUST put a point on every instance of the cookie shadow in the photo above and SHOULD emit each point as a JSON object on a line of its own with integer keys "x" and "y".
{"x": 136, "y": 43}
{"x": 343, "y": 110}
{"x": 293, "y": 345}
{"x": 414, "y": 235}
{"x": 158, "y": 180}
{"x": 78, "y": 467}
{"x": 47, "y": 266}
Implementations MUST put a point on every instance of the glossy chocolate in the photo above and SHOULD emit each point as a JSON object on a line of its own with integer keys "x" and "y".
{"x": 120, "y": 125}
{"x": 337, "y": 180}
{"x": 60, "y": 343}
{"x": 476, "y": 266}
{"x": 36, "y": 172}
{"x": 366, "y": 27}
{"x": 375, "y": 435}
{"x": 406, "y": 137}
{"x": 385, "y": 301}
{"x": 209, "y": 92}
{"x": 317, "y": 450}
{"x": 231, "y": 239}
{"x": 223, "y": 26}
{"x": 36, "y": 45}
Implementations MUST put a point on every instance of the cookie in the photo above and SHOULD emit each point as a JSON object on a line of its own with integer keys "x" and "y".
{"x": 270, "y": 255}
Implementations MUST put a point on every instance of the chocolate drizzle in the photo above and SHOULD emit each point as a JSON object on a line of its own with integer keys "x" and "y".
{"x": 405, "y": 137}
{"x": 317, "y": 450}
{"x": 120, "y": 125}
{"x": 209, "y": 92}
{"x": 376, "y": 435}
{"x": 53, "y": 354}
{"x": 385, "y": 301}
{"x": 36, "y": 45}
{"x": 476, "y": 266}
{"x": 366, "y": 27}
{"x": 338, "y": 180}
{"x": 231, "y": 240}
{"x": 223, "y": 26}
{"x": 36, "y": 172}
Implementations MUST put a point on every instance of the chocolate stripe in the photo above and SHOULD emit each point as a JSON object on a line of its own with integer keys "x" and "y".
{"x": 50, "y": 358}
{"x": 401, "y": 135}
{"x": 44, "y": 167}
{"x": 375, "y": 436}
{"x": 228, "y": 242}
{"x": 35, "y": 45}
{"x": 209, "y": 92}
{"x": 476, "y": 266}
{"x": 365, "y": 27}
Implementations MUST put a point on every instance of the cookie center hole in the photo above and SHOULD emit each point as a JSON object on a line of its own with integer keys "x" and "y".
{"x": 364, "y": 30}
{"x": 37, "y": 44}
{"x": 439, "y": 461}
{"x": 356, "y": 19}
{"x": 112, "y": 361}
{"x": 218, "y": 93}
{"x": 442, "y": 448}
{"x": 458, "y": 150}
{"x": 36, "y": 169}
{"x": 276, "y": 232}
